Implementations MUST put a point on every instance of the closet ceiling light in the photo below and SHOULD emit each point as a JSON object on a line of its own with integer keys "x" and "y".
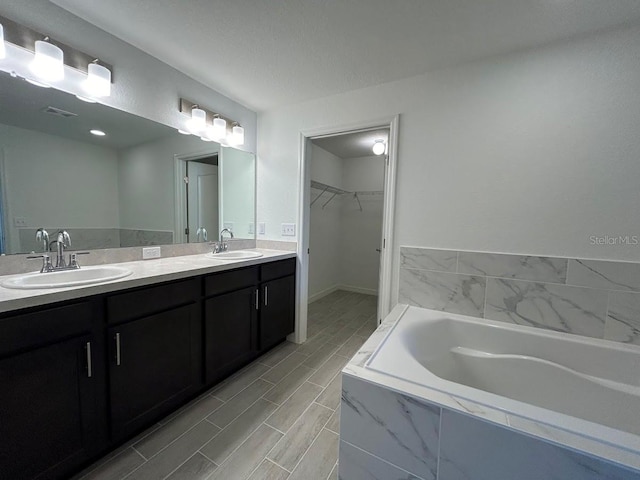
{"x": 3, "y": 49}
{"x": 379, "y": 147}
{"x": 97, "y": 133}
{"x": 48, "y": 62}
{"x": 198, "y": 120}
{"x": 98, "y": 82}
{"x": 237, "y": 135}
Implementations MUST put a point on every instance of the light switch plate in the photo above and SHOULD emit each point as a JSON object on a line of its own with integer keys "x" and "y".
{"x": 151, "y": 252}
{"x": 288, "y": 229}
{"x": 262, "y": 228}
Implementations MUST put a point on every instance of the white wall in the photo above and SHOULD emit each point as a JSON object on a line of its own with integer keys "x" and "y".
{"x": 53, "y": 182}
{"x": 146, "y": 178}
{"x": 325, "y": 236}
{"x": 143, "y": 85}
{"x": 361, "y": 231}
{"x": 526, "y": 153}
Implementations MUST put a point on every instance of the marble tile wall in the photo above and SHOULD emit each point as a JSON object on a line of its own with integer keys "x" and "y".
{"x": 593, "y": 298}
{"x": 386, "y": 435}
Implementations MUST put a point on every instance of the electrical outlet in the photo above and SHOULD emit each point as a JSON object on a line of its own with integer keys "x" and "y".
{"x": 288, "y": 229}
{"x": 19, "y": 222}
{"x": 251, "y": 225}
{"x": 262, "y": 228}
{"x": 151, "y": 252}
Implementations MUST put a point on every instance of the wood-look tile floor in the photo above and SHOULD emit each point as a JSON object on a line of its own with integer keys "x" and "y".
{"x": 276, "y": 419}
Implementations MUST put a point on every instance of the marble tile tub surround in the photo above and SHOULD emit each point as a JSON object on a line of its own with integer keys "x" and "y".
{"x": 387, "y": 435}
{"x": 12, "y": 264}
{"x": 593, "y": 298}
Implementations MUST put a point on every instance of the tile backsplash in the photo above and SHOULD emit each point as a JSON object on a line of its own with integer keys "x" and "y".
{"x": 594, "y": 298}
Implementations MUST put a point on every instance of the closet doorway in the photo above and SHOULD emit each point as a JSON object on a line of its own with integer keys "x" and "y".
{"x": 346, "y": 218}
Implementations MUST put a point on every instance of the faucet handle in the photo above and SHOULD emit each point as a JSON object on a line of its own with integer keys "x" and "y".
{"x": 73, "y": 259}
{"x": 64, "y": 236}
{"x": 46, "y": 262}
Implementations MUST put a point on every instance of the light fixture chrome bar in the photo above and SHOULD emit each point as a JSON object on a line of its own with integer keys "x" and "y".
{"x": 186, "y": 106}
{"x": 25, "y": 37}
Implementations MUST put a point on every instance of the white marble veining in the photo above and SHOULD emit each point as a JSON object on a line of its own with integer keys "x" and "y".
{"x": 471, "y": 449}
{"x": 561, "y": 308}
{"x": 145, "y": 272}
{"x": 443, "y": 291}
{"x": 604, "y": 274}
{"x": 623, "y": 318}
{"x": 428, "y": 259}
{"x": 390, "y": 425}
{"x": 521, "y": 267}
{"x": 356, "y": 464}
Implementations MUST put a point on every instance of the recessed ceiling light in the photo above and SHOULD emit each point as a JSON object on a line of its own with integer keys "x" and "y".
{"x": 97, "y": 133}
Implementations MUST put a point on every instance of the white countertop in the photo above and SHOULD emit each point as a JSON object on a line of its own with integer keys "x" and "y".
{"x": 145, "y": 272}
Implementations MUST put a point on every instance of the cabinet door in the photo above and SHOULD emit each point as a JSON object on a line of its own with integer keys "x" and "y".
{"x": 277, "y": 314}
{"x": 230, "y": 332}
{"x": 47, "y": 410}
{"x": 154, "y": 366}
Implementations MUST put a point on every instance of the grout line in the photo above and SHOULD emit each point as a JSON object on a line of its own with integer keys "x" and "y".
{"x": 139, "y": 453}
{"x": 275, "y": 428}
{"x": 335, "y": 466}
{"x": 178, "y": 467}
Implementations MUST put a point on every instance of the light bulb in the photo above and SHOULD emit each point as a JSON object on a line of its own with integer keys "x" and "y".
{"x": 98, "y": 82}
{"x": 219, "y": 128}
{"x": 48, "y": 62}
{"x": 379, "y": 147}
{"x": 237, "y": 135}
{"x": 198, "y": 120}
{"x": 3, "y": 49}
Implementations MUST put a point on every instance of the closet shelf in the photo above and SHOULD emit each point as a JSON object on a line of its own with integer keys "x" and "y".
{"x": 338, "y": 191}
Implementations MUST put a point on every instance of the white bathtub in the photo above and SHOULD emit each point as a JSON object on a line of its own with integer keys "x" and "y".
{"x": 587, "y": 387}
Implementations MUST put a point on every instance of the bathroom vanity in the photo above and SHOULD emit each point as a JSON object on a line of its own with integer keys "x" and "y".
{"x": 89, "y": 367}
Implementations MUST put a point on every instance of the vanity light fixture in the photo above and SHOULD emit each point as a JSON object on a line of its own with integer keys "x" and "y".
{"x": 48, "y": 61}
{"x": 237, "y": 135}
{"x": 198, "y": 120}
{"x": 3, "y": 49}
{"x": 97, "y": 133}
{"x": 183, "y": 132}
{"x": 379, "y": 147}
{"x": 98, "y": 82}
{"x": 219, "y": 130}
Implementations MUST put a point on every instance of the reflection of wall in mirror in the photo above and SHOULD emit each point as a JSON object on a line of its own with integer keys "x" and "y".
{"x": 237, "y": 170}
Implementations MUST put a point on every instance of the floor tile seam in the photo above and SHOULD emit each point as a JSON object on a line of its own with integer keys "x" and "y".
{"x": 308, "y": 448}
{"x": 285, "y": 401}
{"x": 241, "y": 413}
{"x": 178, "y": 467}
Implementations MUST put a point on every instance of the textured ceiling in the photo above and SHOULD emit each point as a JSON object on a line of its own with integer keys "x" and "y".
{"x": 269, "y": 53}
{"x": 352, "y": 145}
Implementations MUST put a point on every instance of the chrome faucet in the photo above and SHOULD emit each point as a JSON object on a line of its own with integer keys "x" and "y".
{"x": 62, "y": 241}
{"x": 222, "y": 246}
{"x": 42, "y": 236}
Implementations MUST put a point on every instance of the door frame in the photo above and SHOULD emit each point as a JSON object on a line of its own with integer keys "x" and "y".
{"x": 180, "y": 191}
{"x": 304, "y": 214}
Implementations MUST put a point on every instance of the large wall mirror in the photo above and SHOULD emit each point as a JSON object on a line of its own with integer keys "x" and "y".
{"x": 141, "y": 183}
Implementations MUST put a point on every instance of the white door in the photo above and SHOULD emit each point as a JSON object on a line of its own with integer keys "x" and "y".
{"x": 202, "y": 205}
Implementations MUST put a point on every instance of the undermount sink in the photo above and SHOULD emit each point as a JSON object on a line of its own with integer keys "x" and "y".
{"x": 237, "y": 255}
{"x": 67, "y": 278}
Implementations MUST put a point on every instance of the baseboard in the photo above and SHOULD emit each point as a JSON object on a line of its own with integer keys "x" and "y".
{"x": 350, "y": 288}
{"x": 323, "y": 293}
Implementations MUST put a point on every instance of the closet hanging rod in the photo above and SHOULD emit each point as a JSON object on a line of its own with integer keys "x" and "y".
{"x": 328, "y": 188}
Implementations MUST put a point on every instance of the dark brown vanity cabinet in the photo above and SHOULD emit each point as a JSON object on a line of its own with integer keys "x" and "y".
{"x": 154, "y": 353}
{"x": 51, "y": 377}
{"x": 278, "y": 295}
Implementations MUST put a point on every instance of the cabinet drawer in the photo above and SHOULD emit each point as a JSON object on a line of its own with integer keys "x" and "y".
{"x": 281, "y": 268}
{"x": 130, "y": 305}
{"x": 31, "y": 330}
{"x": 228, "y": 281}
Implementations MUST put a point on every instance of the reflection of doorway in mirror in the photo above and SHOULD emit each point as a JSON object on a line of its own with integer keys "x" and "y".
{"x": 202, "y": 199}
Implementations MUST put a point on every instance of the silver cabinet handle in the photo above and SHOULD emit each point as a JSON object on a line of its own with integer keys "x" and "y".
{"x": 89, "y": 366}
{"x": 257, "y": 299}
{"x": 266, "y": 295}
{"x": 117, "y": 349}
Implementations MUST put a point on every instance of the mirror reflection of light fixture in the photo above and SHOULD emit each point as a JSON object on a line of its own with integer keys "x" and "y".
{"x": 3, "y": 49}
{"x": 183, "y": 132}
{"x": 198, "y": 120}
{"x": 48, "y": 62}
{"x": 98, "y": 82}
{"x": 219, "y": 128}
{"x": 379, "y": 147}
{"x": 237, "y": 135}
